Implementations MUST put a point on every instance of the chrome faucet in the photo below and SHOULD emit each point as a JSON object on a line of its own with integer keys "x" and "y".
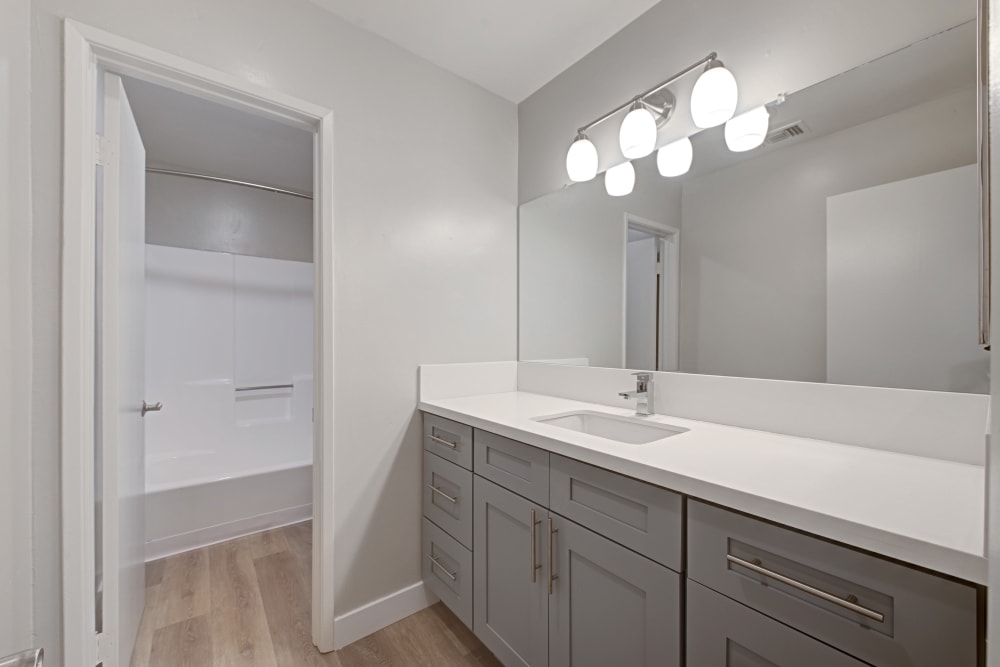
{"x": 643, "y": 393}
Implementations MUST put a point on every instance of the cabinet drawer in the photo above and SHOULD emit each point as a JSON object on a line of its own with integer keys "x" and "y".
{"x": 447, "y": 571}
{"x": 449, "y": 440}
{"x": 640, "y": 516}
{"x": 448, "y": 497}
{"x": 514, "y": 465}
{"x": 723, "y": 633}
{"x": 879, "y": 611}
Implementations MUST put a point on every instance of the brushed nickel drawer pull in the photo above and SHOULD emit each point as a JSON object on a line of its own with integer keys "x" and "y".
{"x": 450, "y": 499}
{"x": 552, "y": 575}
{"x": 453, "y": 445}
{"x": 534, "y": 566}
{"x": 848, "y": 604}
{"x": 451, "y": 575}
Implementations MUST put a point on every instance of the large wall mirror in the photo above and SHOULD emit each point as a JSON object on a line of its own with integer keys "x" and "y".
{"x": 845, "y": 249}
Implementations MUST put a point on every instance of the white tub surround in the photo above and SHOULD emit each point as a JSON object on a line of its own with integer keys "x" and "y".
{"x": 921, "y": 510}
{"x": 229, "y": 353}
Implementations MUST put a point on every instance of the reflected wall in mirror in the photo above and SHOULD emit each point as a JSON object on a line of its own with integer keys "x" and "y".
{"x": 845, "y": 249}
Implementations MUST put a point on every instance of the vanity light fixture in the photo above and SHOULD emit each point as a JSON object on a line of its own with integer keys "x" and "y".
{"x": 748, "y": 130}
{"x": 581, "y": 159}
{"x": 620, "y": 179}
{"x": 713, "y": 99}
{"x": 650, "y": 110}
{"x": 675, "y": 158}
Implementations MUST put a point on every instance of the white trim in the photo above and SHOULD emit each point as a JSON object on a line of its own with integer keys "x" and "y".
{"x": 670, "y": 299}
{"x": 323, "y": 583}
{"x": 203, "y": 537}
{"x": 86, "y": 48}
{"x": 77, "y": 347}
{"x": 374, "y": 616}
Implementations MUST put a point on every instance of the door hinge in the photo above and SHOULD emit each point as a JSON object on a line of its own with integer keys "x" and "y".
{"x": 105, "y": 648}
{"x": 104, "y": 151}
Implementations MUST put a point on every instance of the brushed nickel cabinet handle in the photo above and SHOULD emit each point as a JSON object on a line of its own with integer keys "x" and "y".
{"x": 534, "y": 546}
{"x": 453, "y": 445}
{"x": 848, "y": 604}
{"x": 450, "y": 499}
{"x": 434, "y": 561}
{"x": 552, "y": 575}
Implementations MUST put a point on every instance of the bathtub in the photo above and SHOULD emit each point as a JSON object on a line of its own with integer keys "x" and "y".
{"x": 190, "y": 515}
{"x": 206, "y": 485}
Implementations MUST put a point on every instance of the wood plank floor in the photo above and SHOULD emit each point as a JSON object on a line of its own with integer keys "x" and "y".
{"x": 246, "y": 603}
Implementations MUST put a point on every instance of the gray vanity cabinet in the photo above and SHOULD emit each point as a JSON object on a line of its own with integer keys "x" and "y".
{"x": 548, "y": 591}
{"x": 510, "y": 594}
{"x": 609, "y": 605}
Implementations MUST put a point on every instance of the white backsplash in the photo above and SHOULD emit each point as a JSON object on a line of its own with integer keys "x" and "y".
{"x": 941, "y": 425}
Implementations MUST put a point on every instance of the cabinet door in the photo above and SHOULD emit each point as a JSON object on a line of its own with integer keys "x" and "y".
{"x": 724, "y": 633}
{"x": 609, "y": 605}
{"x": 511, "y": 613}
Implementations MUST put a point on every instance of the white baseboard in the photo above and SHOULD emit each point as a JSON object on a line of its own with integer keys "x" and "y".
{"x": 376, "y": 615}
{"x": 203, "y": 537}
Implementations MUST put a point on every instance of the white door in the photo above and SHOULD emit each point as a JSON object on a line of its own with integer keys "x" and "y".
{"x": 121, "y": 374}
{"x": 642, "y": 303}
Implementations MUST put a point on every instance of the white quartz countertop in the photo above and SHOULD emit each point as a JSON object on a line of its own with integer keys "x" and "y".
{"x": 922, "y": 511}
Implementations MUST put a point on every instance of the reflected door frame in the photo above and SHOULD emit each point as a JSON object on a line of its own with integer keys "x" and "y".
{"x": 86, "y": 50}
{"x": 669, "y": 293}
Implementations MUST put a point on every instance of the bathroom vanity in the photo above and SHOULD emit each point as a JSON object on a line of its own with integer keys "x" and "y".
{"x": 559, "y": 547}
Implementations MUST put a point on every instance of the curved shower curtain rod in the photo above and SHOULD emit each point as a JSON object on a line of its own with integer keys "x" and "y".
{"x": 219, "y": 179}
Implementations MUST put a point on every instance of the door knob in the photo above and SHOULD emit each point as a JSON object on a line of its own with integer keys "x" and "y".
{"x": 146, "y": 407}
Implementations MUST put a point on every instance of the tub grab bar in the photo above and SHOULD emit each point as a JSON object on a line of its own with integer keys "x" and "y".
{"x": 266, "y": 386}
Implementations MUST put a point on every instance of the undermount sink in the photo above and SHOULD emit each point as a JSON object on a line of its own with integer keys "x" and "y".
{"x": 629, "y": 430}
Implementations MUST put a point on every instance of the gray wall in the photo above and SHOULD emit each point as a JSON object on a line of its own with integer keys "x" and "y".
{"x": 15, "y": 333}
{"x": 775, "y": 47}
{"x": 753, "y": 250}
{"x": 909, "y": 249}
{"x": 572, "y": 266}
{"x": 414, "y": 207}
{"x": 209, "y": 215}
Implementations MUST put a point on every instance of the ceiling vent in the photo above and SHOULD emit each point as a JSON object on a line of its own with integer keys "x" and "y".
{"x": 785, "y": 132}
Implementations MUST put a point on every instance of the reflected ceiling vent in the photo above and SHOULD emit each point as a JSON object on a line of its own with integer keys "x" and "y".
{"x": 785, "y": 132}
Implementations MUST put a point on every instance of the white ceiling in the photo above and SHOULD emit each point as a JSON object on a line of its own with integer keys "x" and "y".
{"x": 188, "y": 133}
{"x": 510, "y": 47}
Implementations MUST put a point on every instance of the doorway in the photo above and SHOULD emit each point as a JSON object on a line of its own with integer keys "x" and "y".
{"x": 650, "y": 317}
{"x": 102, "y": 401}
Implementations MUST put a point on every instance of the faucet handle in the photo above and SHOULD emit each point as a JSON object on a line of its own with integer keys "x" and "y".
{"x": 643, "y": 377}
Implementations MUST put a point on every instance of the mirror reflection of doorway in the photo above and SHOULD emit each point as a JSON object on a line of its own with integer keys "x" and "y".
{"x": 652, "y": 254}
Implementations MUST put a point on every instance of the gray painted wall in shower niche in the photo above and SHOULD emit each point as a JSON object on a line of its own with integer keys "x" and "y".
{"x": 207, "y": 215}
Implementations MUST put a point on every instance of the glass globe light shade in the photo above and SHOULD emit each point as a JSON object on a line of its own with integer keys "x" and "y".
{"x": 748, "y": 130}
{"x": 713, "y": 100}
{"x": 675, "y": 158}
{"x": 637, "y": 136}
{"x": 581, "y": 160}
{"x": 619, "y": 180}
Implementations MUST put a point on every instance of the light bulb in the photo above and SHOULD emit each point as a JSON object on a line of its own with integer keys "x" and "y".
{"x": 637, "y": 136}
{"x": 675, "y": 158}
{"x": 748, "y": 130}
{"x": 619, "y": 180}
{"x": 581, "y": 159}
{"x": 713, "y": 100}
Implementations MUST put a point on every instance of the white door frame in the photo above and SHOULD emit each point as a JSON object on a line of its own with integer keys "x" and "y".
{"x": 85, "y": 49}
{"x": 669, "y": 298}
